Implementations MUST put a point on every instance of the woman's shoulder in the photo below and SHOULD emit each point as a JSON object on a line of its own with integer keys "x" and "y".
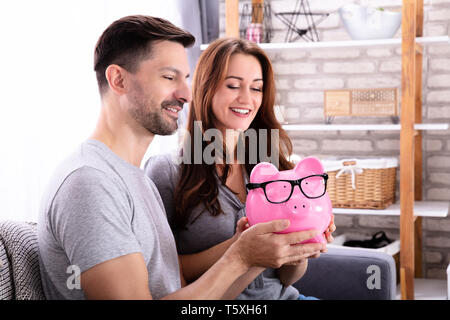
{"x": 163, "y": 166}
{"x": 167, "y": 161}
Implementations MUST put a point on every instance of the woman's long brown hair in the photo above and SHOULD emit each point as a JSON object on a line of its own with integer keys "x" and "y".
{"x": 198, "y": 183}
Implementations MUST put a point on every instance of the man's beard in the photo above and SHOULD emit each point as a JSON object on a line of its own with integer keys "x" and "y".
{"x": 150, "y": 116}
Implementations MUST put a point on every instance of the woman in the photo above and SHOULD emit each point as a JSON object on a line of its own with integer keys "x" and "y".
{"x": 233, "y": 90}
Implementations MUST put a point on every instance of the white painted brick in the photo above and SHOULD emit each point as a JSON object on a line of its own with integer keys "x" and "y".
{"x": 439, "y": 242}
{"x": 319, "y": 83}
{"x": 283, "y": 84}
{"x": 290, "y": 55}
{"x": 326, "y": 6}
{"x": 388, "y": 144}
{"x": 438, "y": 194}
{"x": 433, "y": 29}
{"x": 335, "y": 54}
{"x": 347, "y": 145}
{"x": 379, "y": 52}
{"x": 429, "y": 4}
{"x": 439, "y": 162}
{"x": 352, "y": 134}
{"x": 439, "y": 50}
{"x": 349, "y": 67}
{"x": 292, "y": 113}
{"x": 436, "y": 224}
{"x": 432, "y": 257}
{"x": 313, "y": 113}
{"x": 439, "y": 113}
{"x": 295, "y": 68}
{"x": 332, "y": 21}
{"x": 439, "y": 81}
{"x": 390, "y": 4}
{"x": 437, "y": 273}
{"x": 305, "y": 97}
{"x": 433, "y": 145}
{"x": 335, "y": 35}
{"x": 438, "y": 14}
{"x": 305, "y": 145}
{"x": 438, "y": 96}
{"x": 375, "y": 81}
{"x": 379, "y": 221}
{"x": 343, "y": 221}
{"x": 391, "y": 66}
{"x": 440, "y": 64}
{"x": 279, "y": 36}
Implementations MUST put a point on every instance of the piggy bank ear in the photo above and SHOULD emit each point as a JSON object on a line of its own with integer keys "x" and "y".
{"x": 263, "y": 171}
{"x": 308, "y": 166}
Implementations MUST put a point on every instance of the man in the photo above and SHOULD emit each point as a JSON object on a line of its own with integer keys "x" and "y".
{"x": 103, "y": 233}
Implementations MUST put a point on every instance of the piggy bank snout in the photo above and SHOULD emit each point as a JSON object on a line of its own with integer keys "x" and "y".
{"x": 298, "y": 205}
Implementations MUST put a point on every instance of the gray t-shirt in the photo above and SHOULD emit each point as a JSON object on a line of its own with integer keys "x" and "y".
{"x": 204, "y": 230}
{"x": 98, "y": 207}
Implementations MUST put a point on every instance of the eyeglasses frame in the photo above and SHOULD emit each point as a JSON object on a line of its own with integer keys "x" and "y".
{"x": 251, "y": 186}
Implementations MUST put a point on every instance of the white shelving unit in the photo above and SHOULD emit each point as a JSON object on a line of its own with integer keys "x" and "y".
{"x": 347, "y": 44}
{"x": 437, "y": 209}
{"x": 362, "y": 127}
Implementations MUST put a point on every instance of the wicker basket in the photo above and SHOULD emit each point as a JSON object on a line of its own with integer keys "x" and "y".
{"x": 363, "y": 184}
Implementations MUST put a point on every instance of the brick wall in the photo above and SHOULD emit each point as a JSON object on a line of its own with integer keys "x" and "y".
{"x": 303, "y": 75}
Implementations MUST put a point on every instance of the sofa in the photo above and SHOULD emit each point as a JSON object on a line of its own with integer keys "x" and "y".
{"x": 337, "y": 274}
{"x": 350, "y": 274}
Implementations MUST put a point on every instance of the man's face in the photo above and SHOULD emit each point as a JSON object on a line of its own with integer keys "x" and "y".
{"x": 159, "y": 88}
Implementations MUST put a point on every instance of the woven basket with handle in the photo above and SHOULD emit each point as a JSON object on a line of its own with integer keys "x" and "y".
{"x": 363, "y": 184}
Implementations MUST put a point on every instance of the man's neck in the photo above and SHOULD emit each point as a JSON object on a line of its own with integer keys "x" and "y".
{"x": 124, "y": 139}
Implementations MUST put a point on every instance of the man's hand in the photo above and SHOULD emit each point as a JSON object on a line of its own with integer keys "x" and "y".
{"x": 331, "y": 228}
{"x": 259, "y": 246}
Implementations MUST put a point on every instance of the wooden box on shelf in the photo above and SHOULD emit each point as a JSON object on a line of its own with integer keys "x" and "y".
{"x": 361, "y": 102}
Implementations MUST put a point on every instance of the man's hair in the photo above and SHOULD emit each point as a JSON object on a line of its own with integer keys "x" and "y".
{"x": 128, "y": 41}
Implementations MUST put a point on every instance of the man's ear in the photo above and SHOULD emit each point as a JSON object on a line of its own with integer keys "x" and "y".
{"x": 115, "y": 76}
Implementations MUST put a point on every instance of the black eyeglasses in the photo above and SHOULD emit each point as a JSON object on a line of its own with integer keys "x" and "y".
{"x": 279, "y": 191}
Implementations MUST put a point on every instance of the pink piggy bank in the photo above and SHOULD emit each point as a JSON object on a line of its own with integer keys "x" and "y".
{"x": 298, "y": 195}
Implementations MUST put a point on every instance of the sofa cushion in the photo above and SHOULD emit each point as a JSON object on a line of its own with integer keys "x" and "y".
{"x": 20, "y": 255}
{"x": 6, "y": 285}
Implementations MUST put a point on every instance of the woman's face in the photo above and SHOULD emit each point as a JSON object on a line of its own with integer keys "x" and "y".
{"x": 239, "y": 96}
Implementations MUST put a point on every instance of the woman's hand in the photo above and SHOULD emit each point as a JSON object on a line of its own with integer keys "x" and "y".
{"x": 331, "y": 228}
{"x": 241, "y": 226}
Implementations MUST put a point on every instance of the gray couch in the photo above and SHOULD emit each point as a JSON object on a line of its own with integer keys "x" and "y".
{"x": 343, "y": 274}
{"x": 337, "y": 274}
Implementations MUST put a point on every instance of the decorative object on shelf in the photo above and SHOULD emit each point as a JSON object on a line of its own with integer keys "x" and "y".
{"x": 361, "y": 183}
{"x": 307, "y": 31}
{"x": 365, "y": 23}
{"x": 361, "y": 103}
{"x": 256, "y": 21}
{"x": 378, "y": 240}
{"x": 254, "y": 32}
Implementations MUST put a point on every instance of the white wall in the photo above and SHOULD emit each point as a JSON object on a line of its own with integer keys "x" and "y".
{"x": 49, "y": 101}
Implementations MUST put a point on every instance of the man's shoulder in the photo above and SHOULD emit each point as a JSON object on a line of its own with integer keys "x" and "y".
{"x": 78, "y": 174}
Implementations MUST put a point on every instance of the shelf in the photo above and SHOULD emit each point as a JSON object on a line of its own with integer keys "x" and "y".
{"x": 347, "y": 44}
{"x": 338, "y": 243}
{"x": 437, "y": 209}
{"x": 362, "y": 127}
{"x": 428, "y": 289}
